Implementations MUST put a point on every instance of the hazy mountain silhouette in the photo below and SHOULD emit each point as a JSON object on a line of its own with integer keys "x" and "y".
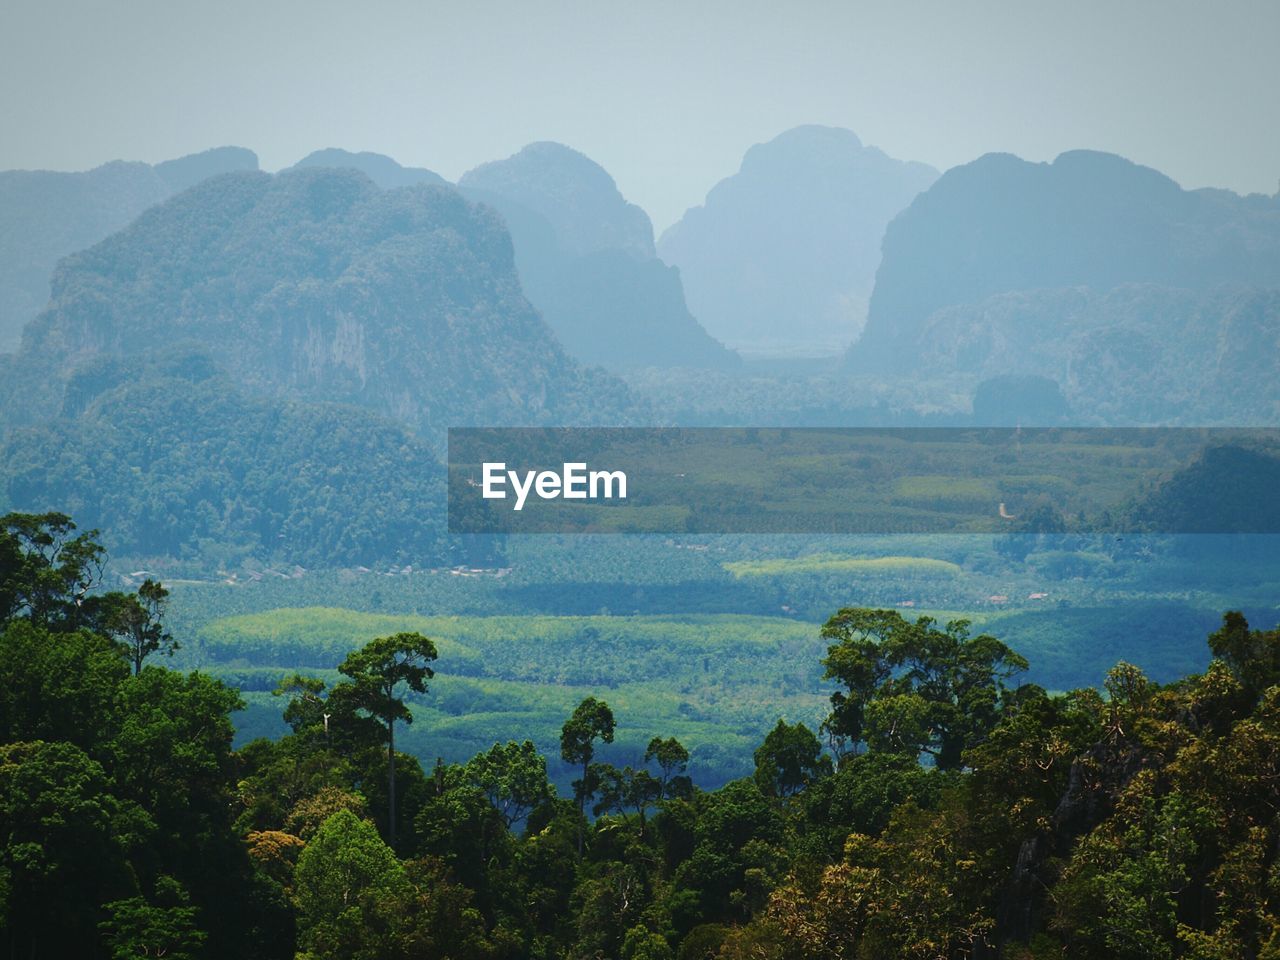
{"x": 187, "y": 171}
{"x": 381, "y": 169}
{"x": 586, "y": 260}
{"x": 317, "y": 285}
{"x": 571, "y": 192}
{"x": 781, "y": 257}
{"x": 1093, "y": 220}
{"x": 45, "y": 215}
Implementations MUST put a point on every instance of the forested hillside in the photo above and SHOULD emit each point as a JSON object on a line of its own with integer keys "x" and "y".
{"x": 943, "y": 809}
{"x": 175, "y": 462}
{"x": 316, "y": 285}
{"x": 46, "y": 215}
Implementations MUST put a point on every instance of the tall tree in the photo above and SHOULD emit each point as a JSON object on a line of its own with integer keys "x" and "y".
{"x": 672, "y": 759}
{"x": 46, "y": 570}
{"x": 591, "y": 721}
{"x": 351, "y": 892}
{"x": 789, "y": 760}
{"x": 134, "y": 620}
{"x": 513, "y": 777}
{"x": 913, "y": 688}
{"x": 378, "y": 671}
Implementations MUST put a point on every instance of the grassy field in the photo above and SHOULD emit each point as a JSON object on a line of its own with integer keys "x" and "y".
{"x": 708, "y": 639}
{"x": 896, "y": 567}
{"x": 717, "y": 682}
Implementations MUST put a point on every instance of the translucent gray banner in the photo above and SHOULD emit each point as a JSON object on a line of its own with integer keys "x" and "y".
{"x": 864, "y": 480}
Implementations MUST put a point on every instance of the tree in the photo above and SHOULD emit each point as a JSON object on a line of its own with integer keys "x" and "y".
{"x": 591, "y": 721}
{"x": 63, "y": 850}
{"x": 377, "y": 671}
{"x": 625, "y": 789}
{"x": 135, "y": 928}
{"x": 514, "y": 778}
{"x": 672, "y": 759}
{"x": 306, "y": 707}
{"x": 1253, "y": 656}
{"x": 310, "y": 813}
{"x": 460, "y": 826}
{"x": 350, "y": 891}
{"x": 913, "y": 688}
{"x": 135, "y": 621}
{"x": 857, "y": 660}
{"x": 789, "y": 760}
{"x": 45, "y": 572}
{"x": 58, "y": 687}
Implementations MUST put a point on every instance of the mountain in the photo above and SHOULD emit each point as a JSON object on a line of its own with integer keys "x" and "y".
{"x": 587, "y": 262}
{"x": 1228, "y": 488}
{"x": 381, "y": 169}
{"x": 1137, "y": 353}
{"x": 781, "y": 256}
{"x": 1091, "y": 220}
{"x": 572, "y": 193}
{"x": 173, "y": 460}
{"x": 317, "y": 285}
{"x": 46, "y": 215}
{"x": 187, "y": 171}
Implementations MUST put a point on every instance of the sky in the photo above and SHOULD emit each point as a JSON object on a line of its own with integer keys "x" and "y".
{"x": 666, "y": 96}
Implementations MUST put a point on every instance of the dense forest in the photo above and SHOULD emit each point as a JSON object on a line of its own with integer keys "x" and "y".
{"x": 176, "y": 460}
{"x": 944, "y": 808}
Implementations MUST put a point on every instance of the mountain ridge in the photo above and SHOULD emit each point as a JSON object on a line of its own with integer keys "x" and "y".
{"x": 46, "y": 215}
{"x": 1088, "y": 219}
{"x": 782, "y": 253}
{"x": 317, "y": 285}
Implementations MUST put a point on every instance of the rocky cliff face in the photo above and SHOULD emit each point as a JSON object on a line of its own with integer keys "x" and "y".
{"x": 572, "y": 193}
{"x": 317, "y": 285}
{"x": 1138, "y": 353}
{"x": 1001, "y": 225}
{"x": 586, "y": 260}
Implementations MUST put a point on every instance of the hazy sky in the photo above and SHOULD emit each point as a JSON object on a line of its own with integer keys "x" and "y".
{"x": 665, "y": 95}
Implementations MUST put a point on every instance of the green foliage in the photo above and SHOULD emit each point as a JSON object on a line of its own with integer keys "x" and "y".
{"x": 135, "y": 620}
{"x": 911, "y": 688}
{"x": 513, "y": 777}
{"x": 592, "y": 720}
{"x": 64, "y": 844}
{"x": 789, "y": 760}
{"x": 179, "y": 462}
{"x": 376, "y": 672}
{"x": 118, "y": 786}
{"x": 350, "y": 891}
{"x": 1136, "y": 824}
{"x": 135, "y": 928}
{"x": 46, "y": 573}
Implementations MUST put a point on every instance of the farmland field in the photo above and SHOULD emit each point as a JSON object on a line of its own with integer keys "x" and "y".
{"x": 710, "y": 640}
